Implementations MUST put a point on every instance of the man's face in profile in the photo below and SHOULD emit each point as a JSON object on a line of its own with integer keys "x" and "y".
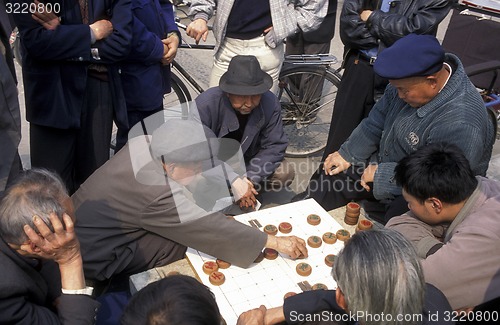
{"x": 416, "y": 91}
{"x": 184, "y": 173}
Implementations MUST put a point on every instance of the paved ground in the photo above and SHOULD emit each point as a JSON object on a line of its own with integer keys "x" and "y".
{"x": 198, "y": 63}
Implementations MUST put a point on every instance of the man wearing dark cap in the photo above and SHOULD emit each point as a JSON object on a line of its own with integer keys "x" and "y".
{"x": 135, "y": 212}
{"x": 429, "y": 99}
{"x": 243, "y": 109}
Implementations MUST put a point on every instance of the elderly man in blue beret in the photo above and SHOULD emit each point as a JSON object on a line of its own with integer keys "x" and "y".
{"x": 429, "y": 99}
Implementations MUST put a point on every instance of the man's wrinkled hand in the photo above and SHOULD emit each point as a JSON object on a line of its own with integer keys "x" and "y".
{"x": 170, "y": 46}
{"x": 101, "y": 29}
{"x": 48, "y": 20}
{"x": 293, "y": 246}
{"x": 253, "y": 317}
{"x": 244, "y": 192}
{"x": 368, "y": 176}
{"x": 198, "y": 30}
{"x": 365, "y": 14}
{"x": 335, "y": 164}
{"x": 60, "y": 245}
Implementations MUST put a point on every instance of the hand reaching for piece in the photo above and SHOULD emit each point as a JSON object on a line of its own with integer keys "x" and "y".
{"x": 293, "y": 246}
{"x": 253, "y": 317}
{"x": 335, "y": 164}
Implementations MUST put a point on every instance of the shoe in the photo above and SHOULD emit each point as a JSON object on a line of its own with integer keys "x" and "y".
{"x": 301, "y": 196}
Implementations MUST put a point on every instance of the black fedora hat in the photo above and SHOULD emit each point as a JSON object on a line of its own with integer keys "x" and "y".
{"x": 245, "y": 77}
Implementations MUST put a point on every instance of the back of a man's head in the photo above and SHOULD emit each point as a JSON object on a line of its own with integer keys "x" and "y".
{"x": 379, "y": 272}
{"x": 181, "y": 141}
{"x": 174, "y": 300}
{"x": 35, "y": 192}
{"x": 436, "y": 170}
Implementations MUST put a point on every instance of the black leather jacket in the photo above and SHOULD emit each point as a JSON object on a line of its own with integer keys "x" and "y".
{"x": 384, "y": 28}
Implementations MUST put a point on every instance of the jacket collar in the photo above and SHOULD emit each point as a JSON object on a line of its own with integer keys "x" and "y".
{"x": 448, "y": 92}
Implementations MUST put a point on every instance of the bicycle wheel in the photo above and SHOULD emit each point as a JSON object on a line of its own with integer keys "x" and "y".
{"x": 174, "y": 103}
{"x": 307, "y": 94}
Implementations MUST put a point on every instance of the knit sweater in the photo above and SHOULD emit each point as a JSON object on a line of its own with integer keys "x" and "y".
{"x": 394, "y": 129}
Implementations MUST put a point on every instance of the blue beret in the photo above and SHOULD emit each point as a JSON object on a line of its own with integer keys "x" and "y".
{"x": 411, "y": 56}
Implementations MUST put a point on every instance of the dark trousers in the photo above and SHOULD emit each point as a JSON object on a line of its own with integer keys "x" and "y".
{"x": 151, "y": 251}
{"x": 134, "y": 117}
{"x": 297, "y": 45}
{"x": 332, "y": 192}
{"x": 354, "y": 101}
{"x": 76, "y": 153}
{"x": 355, "y": 98}
{"x": 154, "y": 251}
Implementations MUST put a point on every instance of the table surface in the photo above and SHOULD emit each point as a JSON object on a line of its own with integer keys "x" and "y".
{"x": 266, "y": 282}
{"x": 282, "y": 273}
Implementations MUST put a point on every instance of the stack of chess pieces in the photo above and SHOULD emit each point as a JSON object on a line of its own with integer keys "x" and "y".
{"x": 352, "y": 213}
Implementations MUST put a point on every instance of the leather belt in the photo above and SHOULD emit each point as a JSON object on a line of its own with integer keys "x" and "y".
{"x": 370, "y": 60}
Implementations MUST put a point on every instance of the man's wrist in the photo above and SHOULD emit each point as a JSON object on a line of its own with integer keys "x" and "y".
{"x": 173, "y": 34}
{"x": 272, "y": 242}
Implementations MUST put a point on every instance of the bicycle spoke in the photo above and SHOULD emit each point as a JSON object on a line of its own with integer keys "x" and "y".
{"x": 307, "y": 98}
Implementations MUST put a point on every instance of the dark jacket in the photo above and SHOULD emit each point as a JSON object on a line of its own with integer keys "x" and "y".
{"x": 384, "y": 28}
{"x": 326, "y": 30}
{"x": 10, "y": 117}
{"x": 55, "y": 62}
{"x": 263, "y": 143}
{"x": 28, "y": 291}
{"x": 145, "y": 80}
{"x": 437, "y": 310}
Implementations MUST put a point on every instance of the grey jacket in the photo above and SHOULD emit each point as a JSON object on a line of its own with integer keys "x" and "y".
{"x": 114, "y": 209}
{"x": 288, "y": 17}
{"x": 393, "y": 129}
{"x": 466, "y": 268}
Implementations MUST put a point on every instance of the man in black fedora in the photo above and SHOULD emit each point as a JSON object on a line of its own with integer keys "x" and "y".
{"x": 243, "y": 109}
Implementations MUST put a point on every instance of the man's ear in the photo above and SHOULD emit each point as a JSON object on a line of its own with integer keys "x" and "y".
{"x": 435, "y": 204}
{"x": 339, "y": 297}
{"x": 168, "y": 167}
{"x": 432, "y": 79}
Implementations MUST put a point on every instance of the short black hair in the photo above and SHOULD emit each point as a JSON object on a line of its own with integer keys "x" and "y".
{"x": 174, "y": 300}
{"x": 438, "y": 170}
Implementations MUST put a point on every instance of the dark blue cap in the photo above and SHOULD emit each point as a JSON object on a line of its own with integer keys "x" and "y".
{"x": 411, "y": 56}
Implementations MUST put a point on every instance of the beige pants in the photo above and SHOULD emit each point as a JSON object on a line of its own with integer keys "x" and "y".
{"x": 270, "y": 59}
